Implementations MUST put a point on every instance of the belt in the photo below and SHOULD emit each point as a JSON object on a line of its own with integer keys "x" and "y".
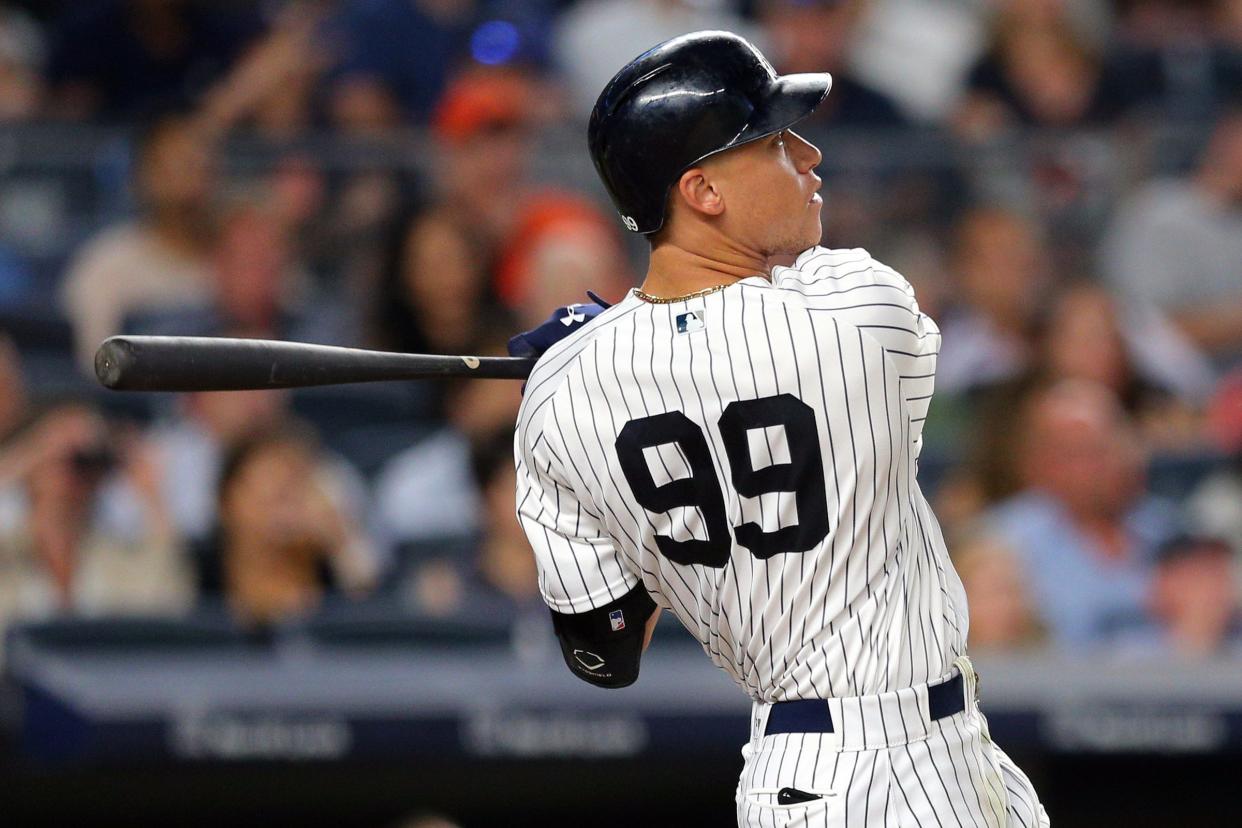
{"x": 812, "y": 715}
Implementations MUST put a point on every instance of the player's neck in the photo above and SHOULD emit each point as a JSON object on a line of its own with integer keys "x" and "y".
{"x": 676, "y": 270}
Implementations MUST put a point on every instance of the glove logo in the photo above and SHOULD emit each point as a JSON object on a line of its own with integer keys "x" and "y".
{"x": 572, "y": 315}
{"x": 589, "y": 660}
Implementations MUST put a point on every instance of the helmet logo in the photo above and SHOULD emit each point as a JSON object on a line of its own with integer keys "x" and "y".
{"x": 629, "y": 223}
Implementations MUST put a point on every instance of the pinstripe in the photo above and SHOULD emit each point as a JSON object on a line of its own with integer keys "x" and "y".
{"x": 849, "y": 787}
{"x": 852, "y": 684}
{"x": 950, "y": 802}
{"x": 901, "y": 790}
{"x": 875, "y": 607}
{"x": 953, "y": 760}
{"x": 1013, "y": 811}
{"x": 1020, "y": 791}
{"x": 914, "y": 770}
{"x": 768, "y": 564}
{"x": 975, "y": 752}
{"x": 867, "y": 796}
{"x": 992, "y": 781}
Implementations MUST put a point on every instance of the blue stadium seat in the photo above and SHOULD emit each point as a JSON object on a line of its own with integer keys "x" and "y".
{"x": 386, "y": 623}
{"x": 208, "y": 629}
{"x": 1176, "y": 476}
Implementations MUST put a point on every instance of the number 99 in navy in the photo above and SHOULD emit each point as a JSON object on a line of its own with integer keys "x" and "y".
{"x": 803, "y": 475}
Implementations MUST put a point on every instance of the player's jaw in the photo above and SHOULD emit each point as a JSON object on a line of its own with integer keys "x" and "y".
{"x": 795, "y": 222}
{"x": 765, "y": 199}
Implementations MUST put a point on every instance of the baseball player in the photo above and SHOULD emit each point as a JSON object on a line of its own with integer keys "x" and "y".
{"x": 736, "y": 442}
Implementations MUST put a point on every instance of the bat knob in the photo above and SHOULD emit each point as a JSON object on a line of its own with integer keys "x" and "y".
{"x": 111, "y": 360}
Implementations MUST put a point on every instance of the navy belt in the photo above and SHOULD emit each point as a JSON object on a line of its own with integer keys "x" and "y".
{"x": 947, "y": 698}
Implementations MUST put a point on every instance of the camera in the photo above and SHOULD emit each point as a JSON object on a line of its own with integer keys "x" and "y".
{"x": 94, "y": 460}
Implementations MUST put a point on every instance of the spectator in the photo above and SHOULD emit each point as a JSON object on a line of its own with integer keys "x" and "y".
{"x": 1177, "y": 244}
{"x": 595, "y": 38}
{"x": 816, "y": 36}
{"x": 1195, "y": 598}
{"x": 1216, "y": 503}
{"x": 1085, "y": 335}
{"x": 498, "y": 580}
{"x": 271, "y": 88}
{"x": 14, "y": 396}
{"x": 1002, "y": 615}
{"x": 157, "y": 260}
{"x": 1083, "y": 525}
{"x": 258, "y": 288}
{"x": 377, "y": 70}
{"x": 1158, "y": 377}
{"x": 285, "y": 544}
{"x": 115, "y": 59}
{"x": 189, "y": 449}
{"x": 362, "y": 106}
{"x": 363, "y": 200}
{"x": 378, "y": 80}
{"x": 484, "y": 131}
{"x": 1038, "y": 71}
{"x": 256, "y": 277}
{"x": 563, "y": 247}
{"x": 298, "y": 199}
{"x": 434, "y": 296}
{"x": 924, "y": 73}
{"x": 22, "y": 55}
{"x": 426, "y": 492}
{"x": 57, "y": 553}
{"x": 1182, "y": 58}
{"x": 999, "y": 262}
{"x": 483, "y": 148}
{"x": 504, "y": 570}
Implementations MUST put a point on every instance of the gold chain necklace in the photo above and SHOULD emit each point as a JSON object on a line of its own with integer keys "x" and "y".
{"x": 668, "y": 300}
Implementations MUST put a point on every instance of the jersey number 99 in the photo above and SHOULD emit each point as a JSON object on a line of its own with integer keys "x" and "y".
{"x": 803, "y": 475}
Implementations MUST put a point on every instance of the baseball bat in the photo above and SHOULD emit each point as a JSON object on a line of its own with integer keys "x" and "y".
{"x": 204, "y": 363}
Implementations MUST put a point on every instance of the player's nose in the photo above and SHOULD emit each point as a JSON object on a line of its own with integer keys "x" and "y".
{"x": 807, "y": 154}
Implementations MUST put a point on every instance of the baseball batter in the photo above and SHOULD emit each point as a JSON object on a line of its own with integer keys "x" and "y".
{"x": 737, "y": 442}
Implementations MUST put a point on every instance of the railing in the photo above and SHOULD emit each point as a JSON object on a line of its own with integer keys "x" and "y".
{"x": 60, "y": 182}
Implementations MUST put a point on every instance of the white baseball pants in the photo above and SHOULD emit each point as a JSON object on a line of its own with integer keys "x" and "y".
{"x": 886, "y": 764}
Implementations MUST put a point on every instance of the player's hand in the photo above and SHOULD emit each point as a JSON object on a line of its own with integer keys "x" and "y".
{"x": 563, "y": 321}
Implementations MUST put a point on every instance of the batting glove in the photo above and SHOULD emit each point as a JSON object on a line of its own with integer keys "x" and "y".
{"x": 560, "y": 324}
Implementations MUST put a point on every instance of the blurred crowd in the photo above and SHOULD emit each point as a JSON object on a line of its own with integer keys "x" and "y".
{"x": 1070, "y": 213}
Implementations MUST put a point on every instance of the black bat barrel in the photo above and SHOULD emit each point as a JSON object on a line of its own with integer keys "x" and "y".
{"x": 187, "y": 363}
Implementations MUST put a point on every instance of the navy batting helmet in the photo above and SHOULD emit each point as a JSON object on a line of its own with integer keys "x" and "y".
{"x": 674, "y": 105}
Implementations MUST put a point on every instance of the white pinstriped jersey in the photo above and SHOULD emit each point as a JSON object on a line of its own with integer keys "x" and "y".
{"x": 750, "y": 456}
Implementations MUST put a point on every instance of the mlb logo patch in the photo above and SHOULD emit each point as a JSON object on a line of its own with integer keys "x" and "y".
{"x": 689, "y": 321}
{"x": 617, "y": 619}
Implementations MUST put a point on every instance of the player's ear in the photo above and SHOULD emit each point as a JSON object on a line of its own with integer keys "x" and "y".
{"x": 700, "y": 192}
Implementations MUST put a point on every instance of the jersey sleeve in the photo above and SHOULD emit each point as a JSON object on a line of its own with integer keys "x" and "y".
{"x": 579, "y": 566}
{"x": 857, "y": 289}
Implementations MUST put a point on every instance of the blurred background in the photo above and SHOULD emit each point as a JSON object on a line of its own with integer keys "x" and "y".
{"x": 316, "y": 608}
